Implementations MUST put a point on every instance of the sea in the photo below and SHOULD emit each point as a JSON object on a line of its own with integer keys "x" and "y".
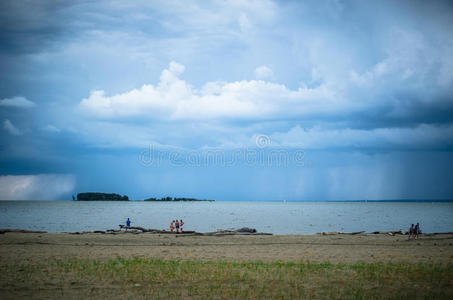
{"x": 271, "y": 217}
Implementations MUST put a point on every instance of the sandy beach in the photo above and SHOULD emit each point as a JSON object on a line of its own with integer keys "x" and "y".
{"x": 27, "y": 259}
{"x": 348, "y": 249}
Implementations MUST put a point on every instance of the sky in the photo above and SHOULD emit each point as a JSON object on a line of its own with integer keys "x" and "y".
{"x": 227, "y": 100}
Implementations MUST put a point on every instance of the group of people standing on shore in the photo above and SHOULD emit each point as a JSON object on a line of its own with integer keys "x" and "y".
{"x": 414, "y": 231}
{"x": 176, "y": 225}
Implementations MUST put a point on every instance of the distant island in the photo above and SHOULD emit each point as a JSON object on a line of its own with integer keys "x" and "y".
{"x": 116, "y": 197}
{"x": 101, "y": 197}
{"x": 175, "y": 199}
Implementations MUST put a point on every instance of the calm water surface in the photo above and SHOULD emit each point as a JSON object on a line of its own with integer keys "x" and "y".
{"x": 274, "y": 217}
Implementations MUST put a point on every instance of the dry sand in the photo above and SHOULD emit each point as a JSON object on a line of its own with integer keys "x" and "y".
{"x": 17, "y": 248}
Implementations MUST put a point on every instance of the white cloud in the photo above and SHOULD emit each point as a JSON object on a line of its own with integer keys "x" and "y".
{"x": 263, "y": 72}
{"x": 20, "y": 102}
{"x": 35, "y": 187}
{"x": 9, "y": 127}
{"x": 174, "y": 99}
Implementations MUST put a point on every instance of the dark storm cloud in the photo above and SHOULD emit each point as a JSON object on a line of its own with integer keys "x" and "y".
{"x": 31, "y": 26}
{"x": 27, "y": 26}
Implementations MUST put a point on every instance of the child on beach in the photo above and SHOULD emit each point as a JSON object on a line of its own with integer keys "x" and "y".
{"x": 172, "y": 225}
{"x": 411, "y": 231}
{"x": 177, "y": 226}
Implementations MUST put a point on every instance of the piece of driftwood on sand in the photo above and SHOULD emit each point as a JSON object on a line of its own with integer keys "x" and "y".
{"x": 391, "y": 232}
{"x": 240, "y": 231}
{"x": 339, "y": 232}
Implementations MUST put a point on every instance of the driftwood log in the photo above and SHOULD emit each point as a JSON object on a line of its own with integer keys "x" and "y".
{"x": 339, "y": 232}
{"x": 391, "y": 232}
{"x": 240, "y": 231}
{"x": 353, "y": 233}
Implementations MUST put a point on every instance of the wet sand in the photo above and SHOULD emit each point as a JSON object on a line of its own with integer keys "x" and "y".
{"x": 24, "y": 248}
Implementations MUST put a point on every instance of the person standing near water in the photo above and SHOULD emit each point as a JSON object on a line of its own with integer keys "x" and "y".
{"x": 177, "y": 226}
{"x": 172, "y": 226}
{"x": 181, "y": 223}
{"x": 411, "y": 231}
{"x": 417, "y": 230}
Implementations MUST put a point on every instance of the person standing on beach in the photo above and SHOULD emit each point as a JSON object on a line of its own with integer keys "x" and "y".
{"x": 416, "y": 230}
{"x": 411, "y": 231}
{"x": 177, "y": 226}
{"x": 181, "y": 223}
{"x": 172, "y": 226}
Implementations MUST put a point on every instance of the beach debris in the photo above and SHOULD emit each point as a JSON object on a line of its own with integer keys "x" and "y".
{"x": 391, "y": 232}
{"x": 246, "y": 229}
{"x": 240, "y": 231}
{"x": 330, "y": 233}
{"x": 339, "y": 232}
{"x": 353, "y": 233}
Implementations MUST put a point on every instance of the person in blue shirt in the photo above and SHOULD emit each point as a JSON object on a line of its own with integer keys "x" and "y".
{"x": 128, "y": 222}
{"x": 417, "y": 230}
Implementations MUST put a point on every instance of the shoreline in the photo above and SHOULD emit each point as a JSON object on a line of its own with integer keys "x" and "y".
{"x": 248, "y": 231}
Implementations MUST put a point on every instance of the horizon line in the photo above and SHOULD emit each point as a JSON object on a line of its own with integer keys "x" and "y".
{"x": 362, "y": 200}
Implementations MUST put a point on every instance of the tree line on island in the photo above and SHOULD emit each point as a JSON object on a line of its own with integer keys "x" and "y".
{"x": 175, "y": 199}
{"x": 117, "y": 197}
{"x": 100, "y": 197}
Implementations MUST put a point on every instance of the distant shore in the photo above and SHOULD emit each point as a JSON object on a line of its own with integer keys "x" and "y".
{"x": 96, "y": 196}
